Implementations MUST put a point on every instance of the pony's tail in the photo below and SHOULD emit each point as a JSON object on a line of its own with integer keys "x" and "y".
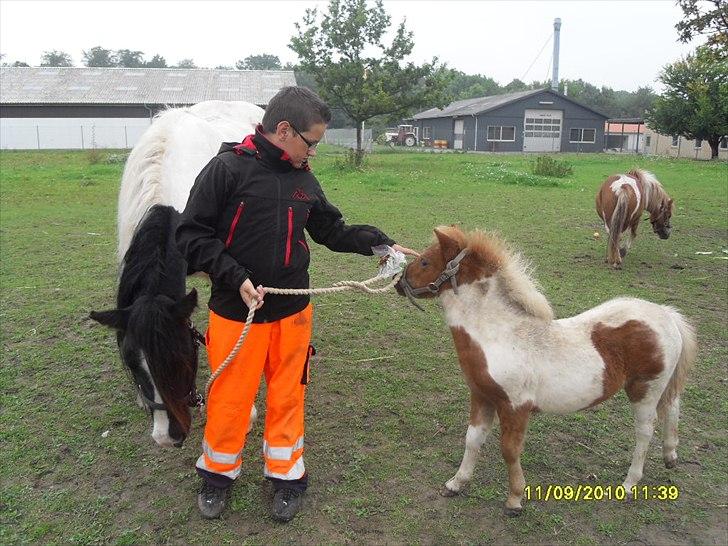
{"x": 688, "y": 354}
{"x": 615, "y": 225}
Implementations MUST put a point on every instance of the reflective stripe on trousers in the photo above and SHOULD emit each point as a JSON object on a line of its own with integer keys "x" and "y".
{"x": 278, "y": 349}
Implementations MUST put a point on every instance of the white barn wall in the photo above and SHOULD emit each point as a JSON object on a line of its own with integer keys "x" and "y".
{"x": 70, "y": 133}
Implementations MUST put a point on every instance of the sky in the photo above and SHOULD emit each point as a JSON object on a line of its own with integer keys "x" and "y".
{"x": 619, "y": 44}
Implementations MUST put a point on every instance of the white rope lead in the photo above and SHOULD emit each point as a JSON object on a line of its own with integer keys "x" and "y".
{"x": 341, "y": 286}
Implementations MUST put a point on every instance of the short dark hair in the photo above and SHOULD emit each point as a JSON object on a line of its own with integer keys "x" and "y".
{"x": 299, "y": 106}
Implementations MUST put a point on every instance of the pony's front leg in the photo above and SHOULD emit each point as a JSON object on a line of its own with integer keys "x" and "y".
{"x": 482, "y": 416}
{"x": 513, "y": 433}
{"x": 644, "y": 426}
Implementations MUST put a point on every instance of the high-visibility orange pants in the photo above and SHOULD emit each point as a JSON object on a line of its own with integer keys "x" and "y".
{"x": 281, "y": 350}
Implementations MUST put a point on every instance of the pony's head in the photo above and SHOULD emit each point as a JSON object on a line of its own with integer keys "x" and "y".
{"x": 158, "y": 345}
{"x": 454, "y": 259}
{"x": 660, "y": 217}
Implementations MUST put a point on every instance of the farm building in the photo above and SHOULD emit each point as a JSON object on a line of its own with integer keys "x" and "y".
{"x": 624, "y": 135}
{"x": 540, "y": 120}
{"x": 677, "y": 146}
{"x": 67, "y": 108}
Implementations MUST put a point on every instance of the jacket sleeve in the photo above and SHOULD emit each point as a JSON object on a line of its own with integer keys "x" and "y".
{"x": 196, "y": 235}
{"x": 327, "y": 227}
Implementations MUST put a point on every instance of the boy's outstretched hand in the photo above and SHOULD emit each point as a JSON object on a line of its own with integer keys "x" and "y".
{"x": 251, "y": 294}
{"x": 405, "y": 250}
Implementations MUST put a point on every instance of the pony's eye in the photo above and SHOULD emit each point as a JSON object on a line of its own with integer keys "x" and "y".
{"x": 424, "y": 263}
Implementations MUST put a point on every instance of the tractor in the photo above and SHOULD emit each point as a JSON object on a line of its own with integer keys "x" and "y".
{"x": 403, "y": 135}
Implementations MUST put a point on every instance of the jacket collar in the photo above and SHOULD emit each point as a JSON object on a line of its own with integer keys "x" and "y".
{"x": 267, "y": 152}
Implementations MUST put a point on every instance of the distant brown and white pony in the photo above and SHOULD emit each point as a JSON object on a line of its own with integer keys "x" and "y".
{"x": 517, "y": 359}
{"x": 620, "y": 202}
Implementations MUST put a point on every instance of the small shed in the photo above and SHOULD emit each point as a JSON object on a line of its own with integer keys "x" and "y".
{"x": 539, "y": 120}
{"x": 72, "y": 107}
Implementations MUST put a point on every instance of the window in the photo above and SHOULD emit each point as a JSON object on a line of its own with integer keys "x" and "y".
{"x": 723, "y": 144}
{"x": 427, "y": 132}
{"x": 698, "y": 143}
{"x": 648, "y": 139}
{"x": 582, "y": 135}
{"x": 497, "y": 133}
{"x": 675, "y": 141}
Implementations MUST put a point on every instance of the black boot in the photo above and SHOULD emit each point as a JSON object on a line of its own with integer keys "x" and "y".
{"x": 211, "y": 500}
{"x": 286, "y": 504}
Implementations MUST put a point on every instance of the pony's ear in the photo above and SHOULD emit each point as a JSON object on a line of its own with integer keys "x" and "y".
{"x": 670, "y": 205}
{"x": 448, "y": 245}
{"x": 113, "y": 318}
{"x": 183, "y": 308}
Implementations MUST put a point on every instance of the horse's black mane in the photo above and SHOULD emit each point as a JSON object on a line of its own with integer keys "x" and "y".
{"x": 152, "y": 265}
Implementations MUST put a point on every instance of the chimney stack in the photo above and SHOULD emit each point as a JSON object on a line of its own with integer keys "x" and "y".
{"x": 555, "y": 73}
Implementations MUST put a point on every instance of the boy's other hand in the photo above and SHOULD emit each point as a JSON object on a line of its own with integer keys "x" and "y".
{"x": 405, "y": 250}
{"x": 251, "y": 294}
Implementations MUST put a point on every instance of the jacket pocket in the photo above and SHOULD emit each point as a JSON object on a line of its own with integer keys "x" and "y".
{"x": 234, "y": 223}
{"x": 306, "y": 366}
{"x": 289, "y": 238}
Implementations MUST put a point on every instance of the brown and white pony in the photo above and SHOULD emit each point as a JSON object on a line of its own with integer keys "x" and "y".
{"x": 620, "y": 202}
{"x": 517, "y": 359}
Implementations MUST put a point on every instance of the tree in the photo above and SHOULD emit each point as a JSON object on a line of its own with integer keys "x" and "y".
{"x": 259, "y": 62}
{"x": 185, "y": 63}
{"x": 55, "y": 58}
{"x": 156, "y": 62}
{"x": 335, "y": 52}
{"x": 99, "y": 56}
{"x": 129, "y": 59}
{"x": 695, "y": 102}
{"x": 708, "y": 18}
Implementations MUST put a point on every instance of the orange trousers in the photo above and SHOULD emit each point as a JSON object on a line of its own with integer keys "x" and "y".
{"x": 280, "y": 349}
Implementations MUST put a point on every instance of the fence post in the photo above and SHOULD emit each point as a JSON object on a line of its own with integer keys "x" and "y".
{"x": 82, "y": 145}
{"x": 126, "y": 139}
{"x": 37, "y": 136}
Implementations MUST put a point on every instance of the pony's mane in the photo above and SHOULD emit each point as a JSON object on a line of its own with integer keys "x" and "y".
{"x": 655, "y": 194}
{"x": 152, "y": 265}
{"x": 142, "y": 178}
{"x": 513, "y": 270}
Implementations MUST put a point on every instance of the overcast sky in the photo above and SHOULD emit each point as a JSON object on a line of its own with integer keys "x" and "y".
{"x": 621, "y": 44}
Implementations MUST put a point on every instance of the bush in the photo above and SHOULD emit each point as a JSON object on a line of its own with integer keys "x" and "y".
{"x": 548, "y": 166}
{"x": 351, "y": 160}
{"x": 94, "y": 156}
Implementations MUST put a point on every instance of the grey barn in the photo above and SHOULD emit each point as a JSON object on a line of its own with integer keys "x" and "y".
{"x": 71, "y": 107}
{"x": 539, "y": 120}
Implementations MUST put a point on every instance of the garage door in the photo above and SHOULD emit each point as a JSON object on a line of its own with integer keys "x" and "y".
{"x": 542, "y": 130}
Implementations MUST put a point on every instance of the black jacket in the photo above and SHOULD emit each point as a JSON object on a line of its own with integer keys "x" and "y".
{"x": 245, "y": 219}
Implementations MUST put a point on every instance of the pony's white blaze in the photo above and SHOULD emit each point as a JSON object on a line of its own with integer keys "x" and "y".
{"x": 163, "y": 165}
{"x": 616, "y": 187}
{"x": 160, "y": 419}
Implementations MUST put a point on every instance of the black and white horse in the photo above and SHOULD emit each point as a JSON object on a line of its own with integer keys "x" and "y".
{"x": 156, "y": 339}
{"x": 152, "y": 317}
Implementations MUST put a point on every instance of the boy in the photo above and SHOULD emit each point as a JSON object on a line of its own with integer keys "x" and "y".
{"x": 243, "y": 225}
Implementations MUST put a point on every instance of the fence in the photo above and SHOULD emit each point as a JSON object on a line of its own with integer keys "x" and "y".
{"x": 18, "y": 134}
{"x": 347, "y": 138}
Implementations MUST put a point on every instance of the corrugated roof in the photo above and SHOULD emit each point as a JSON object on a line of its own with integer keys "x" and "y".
{"x": 469, "y": 107}
{"x": 72, "y": 85}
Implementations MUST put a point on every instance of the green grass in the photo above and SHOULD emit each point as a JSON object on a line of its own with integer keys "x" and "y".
{"x": 387, "y": 407}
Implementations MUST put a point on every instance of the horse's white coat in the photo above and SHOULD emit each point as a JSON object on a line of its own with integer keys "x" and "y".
{"x": 163, "y": 165}
{"x": 623, "y": 179}
{"x": 552, "y": 364}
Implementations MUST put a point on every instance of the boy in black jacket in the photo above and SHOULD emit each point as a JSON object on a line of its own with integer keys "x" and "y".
{"x": 244, "y": 226}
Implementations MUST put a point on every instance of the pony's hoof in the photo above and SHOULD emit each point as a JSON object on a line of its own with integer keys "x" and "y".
{"x": 671, "y": 463}
{"x": 617, "y": 266}
{"x": 445, "y": 492}
{"x": 512, "y": 512}
{"x": 622, "y": 252}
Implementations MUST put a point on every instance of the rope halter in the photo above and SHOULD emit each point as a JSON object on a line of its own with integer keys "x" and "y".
{"x": 448, "y": 274}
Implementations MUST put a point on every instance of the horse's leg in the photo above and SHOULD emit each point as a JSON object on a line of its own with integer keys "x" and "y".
{"x": 513, "y": 432}
{"x": 644, "y": 425}
{"x": 669, "y": 434}
{"x": 613, "y": 253}
{"x": 629, "y": 238}
{"x": 482, "y": 416}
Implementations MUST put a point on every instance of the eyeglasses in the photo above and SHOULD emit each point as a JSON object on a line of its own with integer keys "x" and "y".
{"x": 311, "y": 145}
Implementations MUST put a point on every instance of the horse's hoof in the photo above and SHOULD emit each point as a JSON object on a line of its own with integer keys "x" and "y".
{"x": 622, "y": 252}
{"x": 512, "y": 512}
{"x": 445, "y": 492}
{"x": 671, "y": 463}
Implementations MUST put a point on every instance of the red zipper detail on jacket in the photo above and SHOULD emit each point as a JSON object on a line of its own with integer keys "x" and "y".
{"x": 303, "y": 244}
{"x": 229, "y": 240}
{"x": 290, "y": 236}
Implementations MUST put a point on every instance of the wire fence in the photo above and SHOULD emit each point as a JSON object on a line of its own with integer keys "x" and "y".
{"x": 69, "y": 137}
{"x": 347, "y": 138}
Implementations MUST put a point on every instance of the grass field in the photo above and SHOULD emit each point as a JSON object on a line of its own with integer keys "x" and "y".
{"x": 387, "y": 407}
